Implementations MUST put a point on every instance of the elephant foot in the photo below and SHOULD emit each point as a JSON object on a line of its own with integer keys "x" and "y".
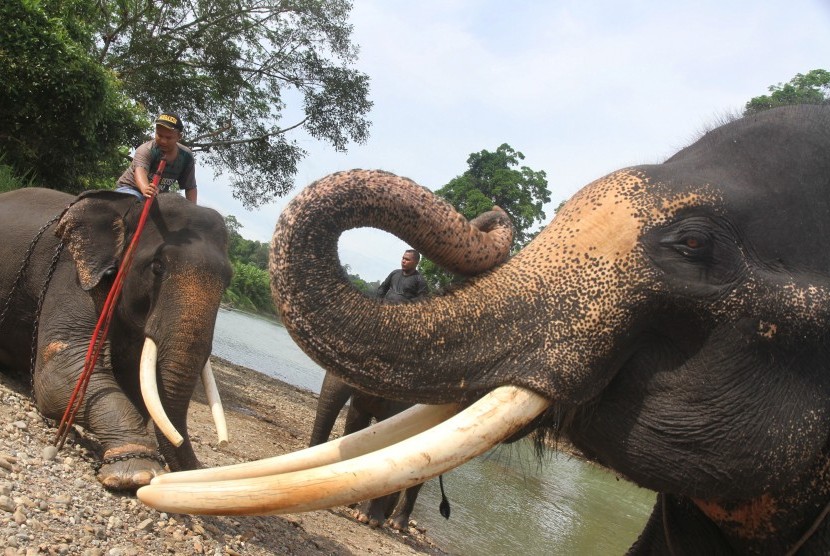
{"x": 129, "y": 467}
{"x": 362, "y": 517}
{"x": 399, "y": 522}
{"x": 358, "y": 515}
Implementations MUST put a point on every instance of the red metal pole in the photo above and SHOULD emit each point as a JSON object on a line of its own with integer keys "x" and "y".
{"x": 99, "y": 336}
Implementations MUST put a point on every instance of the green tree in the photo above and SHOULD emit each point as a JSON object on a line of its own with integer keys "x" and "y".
{"x": 9, "y": 180}
{"x": 233, "y": 225}
{"x": 492, "y": 178}
{"x": 369, "y": 288}
{"x": 250, "y": 289}
{"x": 810, "y": 88}
{"x": 245, "y": 75}
{"x": 245, "y": 250}
{"x": 64, "y": 119}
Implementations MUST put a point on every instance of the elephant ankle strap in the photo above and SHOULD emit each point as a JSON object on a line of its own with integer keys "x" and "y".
{"x": 125, "y": 456}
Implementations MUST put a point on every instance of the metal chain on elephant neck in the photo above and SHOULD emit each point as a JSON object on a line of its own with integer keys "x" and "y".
{"x": 52, "y": 266}
{"x": 19, "y": 279}
{"x": 20, "y": 273}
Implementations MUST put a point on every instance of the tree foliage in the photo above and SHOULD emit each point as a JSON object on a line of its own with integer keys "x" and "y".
{"x": 369, "y": 288}
{"x": 494, "y": 178}
{"x": 252, "y": 252}
{"x": 9, "y": 179}
{"x": 64, "y": 120}
{"x": 243, "y": 74}
{"x": 250, "y": 288}
{"x": 810, "y": 88}
{"x": 81, "y": 80}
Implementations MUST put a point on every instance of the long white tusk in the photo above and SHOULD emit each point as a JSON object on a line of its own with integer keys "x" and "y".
{"x": 414, "y": 420}
{"x": 150, "y": 393}
{"x": 215, "y": 402}
{"x": 484, "y": 424}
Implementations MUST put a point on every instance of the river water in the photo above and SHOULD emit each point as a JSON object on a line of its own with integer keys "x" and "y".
{"x": 504, "y": 502}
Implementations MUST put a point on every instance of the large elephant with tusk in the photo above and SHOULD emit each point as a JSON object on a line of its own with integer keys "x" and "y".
{"x": 673, "y": 321}
{"x": 60, "y": 257}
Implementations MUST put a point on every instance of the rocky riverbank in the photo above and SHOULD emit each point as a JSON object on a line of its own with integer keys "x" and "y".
{"x": 52, "y": 504}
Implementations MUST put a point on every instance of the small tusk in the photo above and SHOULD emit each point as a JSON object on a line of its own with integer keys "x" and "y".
{"x": 472, "y": 432}
{"x": 414, "y": 420}
{"x": 150, "y": 393}
{"x": 215, "y": 403}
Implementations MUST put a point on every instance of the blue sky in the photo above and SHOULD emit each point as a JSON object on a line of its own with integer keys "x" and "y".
{"x": 580, "y": 87}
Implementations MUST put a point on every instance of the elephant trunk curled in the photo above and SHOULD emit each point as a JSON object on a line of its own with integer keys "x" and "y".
{"x": 465, "y": 340}
{"x": 310, "y": 287}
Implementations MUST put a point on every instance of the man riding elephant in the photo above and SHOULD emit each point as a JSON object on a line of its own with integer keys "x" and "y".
{"x": 164, "y": 319}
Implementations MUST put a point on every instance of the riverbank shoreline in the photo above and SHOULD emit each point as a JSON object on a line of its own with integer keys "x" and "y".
{"x": 55, "y": 506}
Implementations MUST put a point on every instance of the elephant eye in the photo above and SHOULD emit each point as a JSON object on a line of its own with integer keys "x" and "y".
{"x": 694, "y": 244}
{"x": 157, "y": 267}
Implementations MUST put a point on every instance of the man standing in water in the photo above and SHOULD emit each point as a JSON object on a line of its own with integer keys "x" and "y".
{"x": 406, "y": 283}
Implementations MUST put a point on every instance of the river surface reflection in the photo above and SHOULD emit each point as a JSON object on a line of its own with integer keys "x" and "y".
{"x": 265, "y": 346}
{"x": 504, "y": 502}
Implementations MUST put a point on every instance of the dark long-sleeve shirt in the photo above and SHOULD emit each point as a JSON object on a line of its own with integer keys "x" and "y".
{"x": 400, "y": 287}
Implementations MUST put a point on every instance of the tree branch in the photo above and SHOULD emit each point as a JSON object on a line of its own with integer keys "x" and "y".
{"x": 244, "y": 141}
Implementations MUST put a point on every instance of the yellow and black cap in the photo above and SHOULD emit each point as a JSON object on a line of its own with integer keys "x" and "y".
{"x": 170, "y": 121}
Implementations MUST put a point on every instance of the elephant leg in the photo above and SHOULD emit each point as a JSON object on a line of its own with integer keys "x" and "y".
{"x": 399, "y": 519}
{"x": 361, "y": 411}
{"x": 130, "y": 454}
{"x": 334, "y": 393}
{"x": 356, "y": 419}
{"x": 374, "y": 512}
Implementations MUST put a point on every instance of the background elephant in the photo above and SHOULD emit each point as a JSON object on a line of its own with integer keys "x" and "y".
{"x": 363, "y": 408}
{"x": 672, "y": 321}
{"x": 171, "y": 296}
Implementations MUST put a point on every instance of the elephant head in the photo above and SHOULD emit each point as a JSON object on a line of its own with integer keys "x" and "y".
{"x": 671, "y": 321}
{"x": 164, "y": 318}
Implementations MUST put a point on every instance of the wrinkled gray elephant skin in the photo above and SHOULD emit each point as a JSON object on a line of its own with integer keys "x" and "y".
{"x": 675, "y": 315}
{"x": 171, "y": 296}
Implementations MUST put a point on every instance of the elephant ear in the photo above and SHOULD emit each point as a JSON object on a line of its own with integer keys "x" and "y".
{"x": 94, "y": 228}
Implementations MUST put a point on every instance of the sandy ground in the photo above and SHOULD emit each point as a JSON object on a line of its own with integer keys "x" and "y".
{"x": 55, "y": 506}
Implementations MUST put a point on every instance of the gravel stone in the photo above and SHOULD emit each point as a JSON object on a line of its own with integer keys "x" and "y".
{"x": 52, "y": 504}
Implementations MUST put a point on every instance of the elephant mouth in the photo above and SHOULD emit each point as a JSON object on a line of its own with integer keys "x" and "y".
{"x": 152, "y": 400}
{"x": 393, "y": 455}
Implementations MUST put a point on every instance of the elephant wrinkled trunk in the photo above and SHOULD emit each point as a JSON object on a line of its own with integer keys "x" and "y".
{"x": 464, "y": 342}
{"x": 182, "y": 357}
{"x": 152, "y": 399}
{"x": 582, "y": 278}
